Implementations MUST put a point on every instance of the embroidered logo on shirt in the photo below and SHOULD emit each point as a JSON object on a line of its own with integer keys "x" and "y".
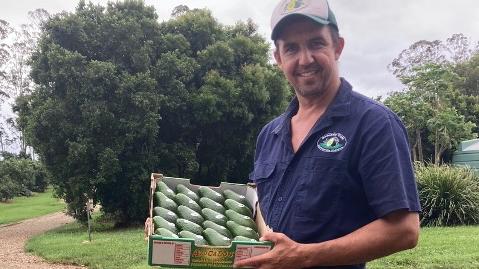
{"x": 332, "y": 142}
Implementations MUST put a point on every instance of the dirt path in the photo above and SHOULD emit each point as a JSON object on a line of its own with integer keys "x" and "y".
{"x": 13, "y": 239}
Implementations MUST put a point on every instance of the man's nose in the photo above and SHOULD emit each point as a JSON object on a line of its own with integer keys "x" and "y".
{"x": 305, "y": 57}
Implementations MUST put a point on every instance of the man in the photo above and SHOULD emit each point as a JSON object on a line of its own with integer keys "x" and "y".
{"x": 333, "y": 173}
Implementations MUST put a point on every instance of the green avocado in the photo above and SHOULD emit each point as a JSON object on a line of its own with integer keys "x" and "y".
{"x": 165, "y": 213}
{"x": 206, "y": 202}
{"x": 238, "y": 207}
{"x": 165, "y": 232}
{"x": 180, "y": 188}
{"x": 163, "y": 188}
{"x": 241, "y": 219}
{"x": 162, "y": 200}
{"x": 220, "y": 229}
{"x": 214, "y": 216}
{"x": 212, "y": 194}
{"x": 240, "y": 230}
{"x": 160, "y": 222}
{"x": 183, "y": 199}
{"x": 216, "y": 239}
{"x": 199, "y": 239}
{"x": 186, "y": 225}
{"x": 190, "y": 214}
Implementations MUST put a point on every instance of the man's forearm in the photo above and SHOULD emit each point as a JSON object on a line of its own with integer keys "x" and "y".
{"x": 395, "y": 232}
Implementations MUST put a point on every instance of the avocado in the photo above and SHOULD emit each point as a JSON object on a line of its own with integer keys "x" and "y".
{"x": 240, "y": 230}
{"x": 165, "y": 232}
{"x": 212, "y": 194}
{"x": 180, "y": 188}
{"x": 214, "y": 216}
{"x": 220, "y": 229}
{"x": 229, "y": 194}
{"x": 190, "y": 214}
{"x": 186, "y": 225}
{"x": 206, "y": 202}
{"x": 238, "y": 207}
{"x": 163, "y": 188}
{"x": 183, "y": 199}
{"x": 160, "y": 222}
{"x": 199, "y": 239}
{"x": 165, "y": 213}
{"x": 216, "y": 239}
{"x": 162, "y": 200}
{"x": 240, "y": 219}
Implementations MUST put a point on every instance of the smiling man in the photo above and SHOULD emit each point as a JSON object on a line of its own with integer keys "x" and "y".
{"x": 333, "y": 173}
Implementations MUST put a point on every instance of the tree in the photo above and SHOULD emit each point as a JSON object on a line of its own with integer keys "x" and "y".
{"x": 414, "y": 110}
{"x": 456, "y": 49}
{"x": 448, "y": 129}
{"x": 120, "y": 96}
{"x": 429, "y": 108}
{"x": 5, "y": 30}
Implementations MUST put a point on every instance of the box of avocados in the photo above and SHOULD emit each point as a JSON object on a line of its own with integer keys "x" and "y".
{"x": 193, "y": 226}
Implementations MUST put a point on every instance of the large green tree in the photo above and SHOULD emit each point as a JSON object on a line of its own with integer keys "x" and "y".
{"x": 121, "y": 95}
{"x": 428, "y": 109}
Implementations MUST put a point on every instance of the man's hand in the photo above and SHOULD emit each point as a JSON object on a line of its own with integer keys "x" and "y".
{"x": 286, "y": 254}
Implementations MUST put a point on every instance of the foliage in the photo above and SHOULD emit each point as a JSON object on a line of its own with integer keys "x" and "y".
{"x": 20, "y": 176}
{"x": 454, "y": 50}
{"x": 449, "y": 195}
{"x": 120, "y": 96}
{"x": 428, "y": 109}
{"x": 21, "y": 208}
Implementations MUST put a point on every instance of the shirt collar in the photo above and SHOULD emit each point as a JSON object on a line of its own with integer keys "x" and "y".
{"x": 339, "y": 107}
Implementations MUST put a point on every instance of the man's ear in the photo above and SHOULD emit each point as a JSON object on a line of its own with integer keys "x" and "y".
{"x": 277, "y": 57}
{"x": 339, "y": 48}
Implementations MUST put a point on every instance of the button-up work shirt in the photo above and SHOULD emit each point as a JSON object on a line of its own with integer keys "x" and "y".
{"x": 352, "y": 168}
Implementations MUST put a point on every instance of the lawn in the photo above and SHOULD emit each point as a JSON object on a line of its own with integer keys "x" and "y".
{"x": 109, "y": 248}
{"x": 449, "y": 248}
{"x": 21, "y": 208}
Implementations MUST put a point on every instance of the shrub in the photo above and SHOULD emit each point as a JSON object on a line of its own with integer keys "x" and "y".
{"x": 19, "y": 177}
{"x": 449, "y": 195}
{"x": 8, "y": 188}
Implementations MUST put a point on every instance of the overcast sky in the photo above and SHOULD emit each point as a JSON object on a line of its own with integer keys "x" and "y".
{"x": 376, "y": 31}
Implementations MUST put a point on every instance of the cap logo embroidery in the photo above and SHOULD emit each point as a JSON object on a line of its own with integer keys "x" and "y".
{"x": 332, "y": 142}
{"x": 294, "y": 5}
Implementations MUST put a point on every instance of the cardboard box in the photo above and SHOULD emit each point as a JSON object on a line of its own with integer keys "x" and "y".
{"x": 170, "y": 252}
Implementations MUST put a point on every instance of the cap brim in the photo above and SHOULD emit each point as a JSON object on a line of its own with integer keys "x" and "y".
{"x": 282, "y": 23}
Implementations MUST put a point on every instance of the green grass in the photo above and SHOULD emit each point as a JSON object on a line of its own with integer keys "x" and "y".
{"x": 109, "y": 248}
{"x": 450, "y": 248}
{"x": 21, "y": 208}
{"x": 441, "y": 247}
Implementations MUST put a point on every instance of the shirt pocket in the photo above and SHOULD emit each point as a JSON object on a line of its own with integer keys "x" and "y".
{"x": 263, "y": 177}
{"x": 320, "y": 188}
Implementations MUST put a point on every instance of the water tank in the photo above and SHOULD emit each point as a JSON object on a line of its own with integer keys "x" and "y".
{"x": 467, "y": 154}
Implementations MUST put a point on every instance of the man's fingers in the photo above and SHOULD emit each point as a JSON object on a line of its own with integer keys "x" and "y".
{"x": 271, "y": 236}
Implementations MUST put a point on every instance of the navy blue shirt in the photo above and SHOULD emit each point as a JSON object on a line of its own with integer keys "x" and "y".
{"x": 353, "y": 168}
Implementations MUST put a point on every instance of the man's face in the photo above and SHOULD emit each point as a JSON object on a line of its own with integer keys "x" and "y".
{"x": 307, "y": 56}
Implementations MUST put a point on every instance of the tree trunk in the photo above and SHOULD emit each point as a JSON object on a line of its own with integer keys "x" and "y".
{"x": 419, "y": 145}
{"x": 437, "y": 147}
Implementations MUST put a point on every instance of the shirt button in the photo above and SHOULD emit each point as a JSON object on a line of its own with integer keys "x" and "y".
{"x": 280, "y": 199}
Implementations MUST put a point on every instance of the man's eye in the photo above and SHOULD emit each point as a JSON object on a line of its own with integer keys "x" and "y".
{"x": 289, "y": 49}
{"x": 317, "y": 44}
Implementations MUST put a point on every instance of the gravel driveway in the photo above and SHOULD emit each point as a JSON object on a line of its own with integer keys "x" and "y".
{"x": 13, "y": 239}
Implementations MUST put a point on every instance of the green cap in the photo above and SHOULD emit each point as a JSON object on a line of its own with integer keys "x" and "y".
{"x": 317, "y": 10}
